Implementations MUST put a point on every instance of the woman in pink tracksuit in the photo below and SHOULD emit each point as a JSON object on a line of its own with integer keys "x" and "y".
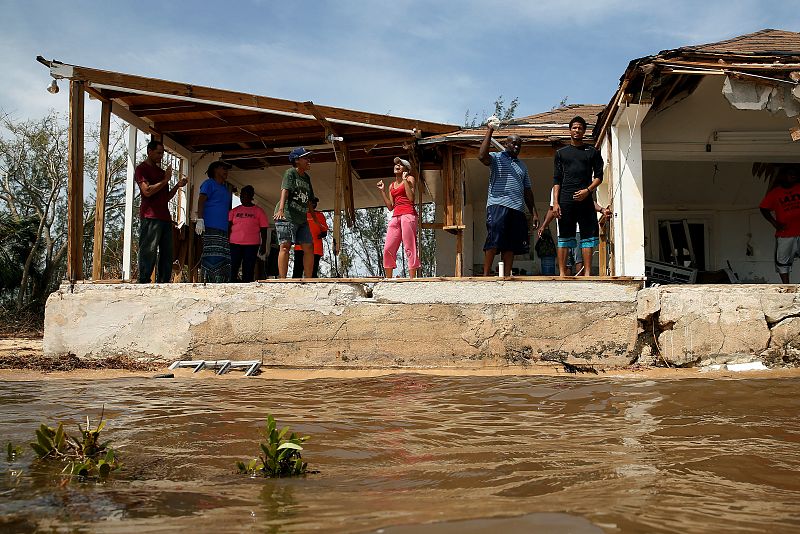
{"x": 403, "y": 226}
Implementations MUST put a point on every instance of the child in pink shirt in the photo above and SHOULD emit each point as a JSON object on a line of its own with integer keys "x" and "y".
{"x": 248, "y": 235}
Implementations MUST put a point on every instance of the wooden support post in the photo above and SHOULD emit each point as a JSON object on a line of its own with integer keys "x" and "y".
{"x": 100, "y": 198}
{"x": 346, "y": 169}
{"x": 182, "y": 217}
{"x": 193, "y": 272}
{"x": 75, "y": 185}
{"x": 422, "y": 188}
{"x": 459, "y": 272}
{"x": 343, "y": 190}
{"x": 447, "y": 186}
{"x": 337, "y": 207}
{"x": 458, "y": 189}
{"x": 458, "y": 210}
{"x": 607, "y": 238}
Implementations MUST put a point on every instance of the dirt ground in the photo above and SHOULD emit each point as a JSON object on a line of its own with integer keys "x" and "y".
{"x": 21, "y": 359}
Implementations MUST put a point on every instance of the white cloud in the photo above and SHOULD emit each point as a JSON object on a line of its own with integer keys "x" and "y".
{"x": 429, "y": 60}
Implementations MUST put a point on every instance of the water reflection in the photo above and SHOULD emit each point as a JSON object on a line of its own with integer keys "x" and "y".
{"x": 443, "y": 454}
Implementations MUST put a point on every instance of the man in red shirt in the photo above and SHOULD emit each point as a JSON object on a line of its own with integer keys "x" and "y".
{"x": 155, "y": 220}
{"x": 781, "y": 207}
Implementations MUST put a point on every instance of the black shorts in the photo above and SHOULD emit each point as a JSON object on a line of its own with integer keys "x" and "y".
{"x": 582, "y": 215}
{"x": 506, "y": 230}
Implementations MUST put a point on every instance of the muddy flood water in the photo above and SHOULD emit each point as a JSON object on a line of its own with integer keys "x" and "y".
{"x": 413, "y": 453}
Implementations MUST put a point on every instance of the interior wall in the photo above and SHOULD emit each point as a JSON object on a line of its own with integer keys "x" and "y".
{"x": 727, "y": 196}
{"x": 685, "y": 177}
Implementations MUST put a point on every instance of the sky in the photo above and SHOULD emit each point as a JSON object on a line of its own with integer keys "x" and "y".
{"x": 425, "y": 59}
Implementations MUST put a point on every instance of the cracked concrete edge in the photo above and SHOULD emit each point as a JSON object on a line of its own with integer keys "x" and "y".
{"x": 774, "y": 308}
{"x": 505, "y": 292}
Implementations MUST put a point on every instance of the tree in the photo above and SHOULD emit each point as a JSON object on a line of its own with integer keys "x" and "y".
{"x": 361, "y": 251}
{"x": 33, "y": 178}
{"x": 115, "y": 199}
{"x": 33, "y": 204}
{"x": 501, "y": 111}
{"x": 561, "y": 103}
{"x": 16, "y": 239}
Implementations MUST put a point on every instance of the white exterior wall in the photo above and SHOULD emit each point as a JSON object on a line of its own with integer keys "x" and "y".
{"x": 627, "y": 190}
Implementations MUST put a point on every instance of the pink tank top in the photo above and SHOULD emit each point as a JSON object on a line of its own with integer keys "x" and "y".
{"x": 402, "y": 204}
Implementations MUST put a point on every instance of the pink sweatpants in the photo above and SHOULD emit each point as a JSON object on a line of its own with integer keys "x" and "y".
{"x": 401, "y": 228}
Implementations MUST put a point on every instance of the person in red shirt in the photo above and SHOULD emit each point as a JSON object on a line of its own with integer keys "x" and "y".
{"x": 248, "y": 229}
{"x": 781, "y": 207}
{"x": 319, "y": 230}
{"x": 155, "y": 220}
{"x": 403, "y": 225}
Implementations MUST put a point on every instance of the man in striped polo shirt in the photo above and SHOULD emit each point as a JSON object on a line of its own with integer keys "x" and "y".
{"x": 509, "y": 192}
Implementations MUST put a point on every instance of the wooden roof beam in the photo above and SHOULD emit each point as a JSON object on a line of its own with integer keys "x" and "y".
{"x": 357, "y": 149}
{"x": 138, "y": 84}
{"x": 330, "y": 131}
{"x": 765, "y": 64}
{"x": 256, "y": 119}
{"x": 152, "y": 110}
{"x": 267, "y": 141}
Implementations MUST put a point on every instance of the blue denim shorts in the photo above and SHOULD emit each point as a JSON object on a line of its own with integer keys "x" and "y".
{"x": 289, "y": 232}
{"x": 506, "y": 230}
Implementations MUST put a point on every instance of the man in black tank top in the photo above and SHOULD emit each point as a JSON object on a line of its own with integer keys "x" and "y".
{"x": 577, "y": 173}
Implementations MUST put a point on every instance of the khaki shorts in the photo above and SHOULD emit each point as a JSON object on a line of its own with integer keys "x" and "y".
{"x": 786, "y": 250}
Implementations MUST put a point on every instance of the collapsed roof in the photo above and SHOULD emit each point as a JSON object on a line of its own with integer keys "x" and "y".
{"x": 250, "y": 131}
{"x": 767, "y": 58}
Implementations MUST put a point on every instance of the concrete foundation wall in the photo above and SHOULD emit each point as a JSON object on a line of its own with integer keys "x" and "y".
{"x": 701, "y": 324}
{"x": 406, "y": 324}
{"x": 467, "y": 324}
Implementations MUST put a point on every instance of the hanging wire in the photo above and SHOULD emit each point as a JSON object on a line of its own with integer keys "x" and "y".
{"x": 631, "y": 129}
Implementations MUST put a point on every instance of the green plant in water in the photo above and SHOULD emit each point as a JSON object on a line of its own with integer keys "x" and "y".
{"x": 85, "y": 456}
{"x": 280, "y": 454}
{"x": 50, "y": 443}
{"x": 13, "y": 452}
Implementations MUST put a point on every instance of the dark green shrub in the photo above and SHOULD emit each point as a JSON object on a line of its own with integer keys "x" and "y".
{"x": 280, "y": 454}
{"x": 83, "y": 456}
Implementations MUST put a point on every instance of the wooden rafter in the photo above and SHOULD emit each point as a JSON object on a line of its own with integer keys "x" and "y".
{"x": 254, "y": 119}
{"x": 118, "y": 81}
{"x": 292, "y": 137}
{"x": 172, "y": 108}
